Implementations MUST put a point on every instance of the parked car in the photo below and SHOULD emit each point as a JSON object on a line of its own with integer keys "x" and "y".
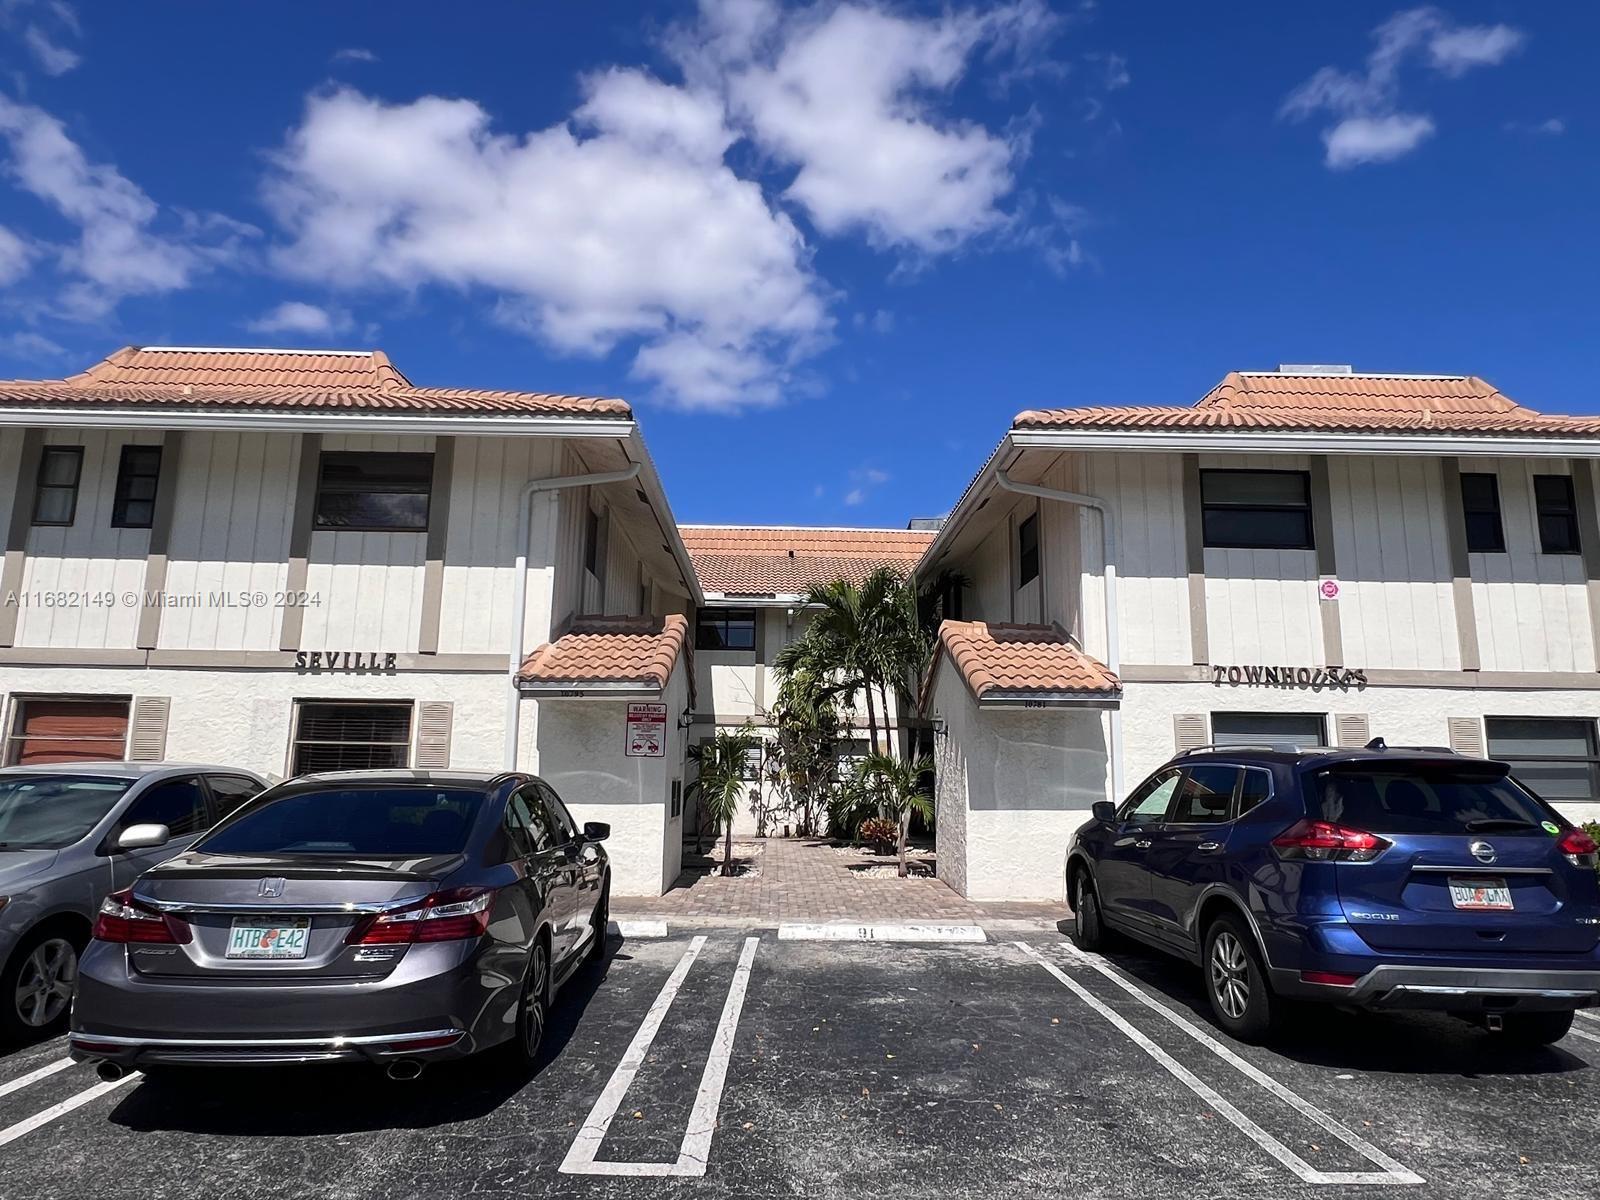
{"x": 1380, "y": 878}
{"x": 397, "y": 917}
{"x": 69, "y": 834}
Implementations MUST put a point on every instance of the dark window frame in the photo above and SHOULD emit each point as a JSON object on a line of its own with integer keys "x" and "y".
{"x": 1590, "y": 732}
{"x": 709, "y": 619}
{"x": 1208, "y": 507}
{"x": 1483, "y": 508}
{"x": 1027, "y": 550}
{"x": 373, "y": 484}
{"x": 1563, "y": 509}
{"x": 127, "y": 474}
{"x": 40, "y": 487}
{"x": 204, "y": 812}
{"x": 300, "y": 740}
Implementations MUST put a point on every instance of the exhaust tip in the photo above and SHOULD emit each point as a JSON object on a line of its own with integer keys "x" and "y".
{"x": 404, "y": 1068}
{"x": 110, "y": 1072}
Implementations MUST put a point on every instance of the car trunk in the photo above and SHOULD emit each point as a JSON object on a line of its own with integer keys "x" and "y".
{"x": 281, "y": 918}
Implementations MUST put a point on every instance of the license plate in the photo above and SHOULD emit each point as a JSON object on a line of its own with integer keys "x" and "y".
{"x": 253, "y": 937}
{"x": 1480, "y": 894}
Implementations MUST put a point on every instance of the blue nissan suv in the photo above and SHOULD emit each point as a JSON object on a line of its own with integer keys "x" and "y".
{"x": 1381, "y": 878}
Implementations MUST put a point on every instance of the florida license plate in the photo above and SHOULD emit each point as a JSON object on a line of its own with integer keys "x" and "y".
{"x": 1480, "y": 894}
{"x": 252, "y": 937}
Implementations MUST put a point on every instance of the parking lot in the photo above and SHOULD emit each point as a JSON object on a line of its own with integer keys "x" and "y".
{"x": 732, "y": 1063}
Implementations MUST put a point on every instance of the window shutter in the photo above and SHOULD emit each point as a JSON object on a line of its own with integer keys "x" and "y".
{"x": 1190, "y": 730}
{"x": 1466, "y": 736}
{"x": 148, "y": 739}
{"x": 1352, "y": 729}
{"x": 434, "y": 721}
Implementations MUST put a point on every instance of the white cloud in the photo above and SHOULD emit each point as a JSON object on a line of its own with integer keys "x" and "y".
{"x": 16, "y": 257}
{"x": 855, "y": 496}
{"x": 53, "y": 59}
{"x": 31, "y": 347}
{"x": 864, "y": 481}
{"x": 355, "y": 54}
{"x": 624, "y": 223}
{"x": 117, "y": 252}
{"x": 1371, "y": 126}
{"x": 296, "y": 316}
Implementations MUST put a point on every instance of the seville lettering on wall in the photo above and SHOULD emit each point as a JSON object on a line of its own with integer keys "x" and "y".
{"x": 1316, "y": 679}
{"x": 344, "y": 660}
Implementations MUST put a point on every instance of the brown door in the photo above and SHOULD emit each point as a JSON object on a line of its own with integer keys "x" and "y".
{"x": 51, "y": 731}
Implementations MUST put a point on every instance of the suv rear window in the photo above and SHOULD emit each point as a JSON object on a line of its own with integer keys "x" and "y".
{"x": 1422, "y": 800}
{"x": 353, "y": 822}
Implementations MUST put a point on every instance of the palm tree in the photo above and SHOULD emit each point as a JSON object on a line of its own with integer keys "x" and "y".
{"x": 720, "y": 782}
{"x": 901, "y": 789}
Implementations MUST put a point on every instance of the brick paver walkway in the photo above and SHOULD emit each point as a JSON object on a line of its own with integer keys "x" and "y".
{"x": 807, "y": 879}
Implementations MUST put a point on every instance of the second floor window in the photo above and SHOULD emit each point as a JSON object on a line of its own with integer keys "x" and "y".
{"x": 1256, "y": 510}
{"x": 55, "y": 496}
{"x": 1028, "y": 551}
{"x": 374, "y": 492}
{"x": 137, "y": 474}
{"x": 1480, "y": 506}
{"x": 726, "y": 629}
{"x": 1558, "y": 514}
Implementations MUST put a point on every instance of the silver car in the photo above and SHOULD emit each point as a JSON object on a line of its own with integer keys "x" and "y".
{"x": 70, "y": 834}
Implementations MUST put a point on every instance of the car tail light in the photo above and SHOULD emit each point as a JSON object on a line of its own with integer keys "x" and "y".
{"x": 1330, "y": 978}
{"x": 1323, "y": 841}
{"x": 123, "y": 919}
{"x": 1579, "y": 847}
{"x": 448, "y": 916}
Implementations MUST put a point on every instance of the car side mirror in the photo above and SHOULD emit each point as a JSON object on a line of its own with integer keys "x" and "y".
{"x": 143, "y": 837}
{"x": 596, "y": 831}
{"x": 1104, "y": 811}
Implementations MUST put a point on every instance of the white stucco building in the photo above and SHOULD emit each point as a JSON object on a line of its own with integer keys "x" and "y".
{"x": 1303, "y": 556}
{"x": 297, "y": 561}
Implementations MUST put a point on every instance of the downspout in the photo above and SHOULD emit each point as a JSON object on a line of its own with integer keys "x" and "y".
{"x": 519, "y": 583}
{"x": 1108, "y": 537}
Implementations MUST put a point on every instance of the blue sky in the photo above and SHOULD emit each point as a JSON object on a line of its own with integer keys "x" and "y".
{"x": 827, "y": 250}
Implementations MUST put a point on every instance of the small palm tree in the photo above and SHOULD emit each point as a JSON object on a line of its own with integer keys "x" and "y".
{"x": 901, "y": 788}
{"x": 721, "y": 783}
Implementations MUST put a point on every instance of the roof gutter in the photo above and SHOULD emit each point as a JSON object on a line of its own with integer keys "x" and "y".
{"x": 365, "y": 420}
{"x": 1192, "y": 439}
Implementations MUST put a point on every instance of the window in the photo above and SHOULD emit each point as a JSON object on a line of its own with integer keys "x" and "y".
{"x": 1555, "y": 757}
{"x": 229, "y": 792}
{"x": 565, "y": 825}
{"x": 365, "y": 822}
{"x": 179, "y": 804}
{"x": 1279, "y": 731}
{"x": 726, "y": 629}
{"x": 1207, "y": 796}
{"x": 135, "y": 504}
{"x": 519, "y": 824}
{"x": 1480, "y": 505}
{"x": 541, "y": 822}
{"x": 677, "y": 797}
{"x": 55, "y": 496}
{"x": 751, "y": 770}
{"x": 50, "y": 811}
{"x": 374, "y": 492}
{"x": 1255, "y": 787}
{"x": 1149, "y": 804}
{"x": 1558, "y": 514}
{"x": 351, "y": 736}
{"x": 1256, "y": 510}
{"x": 1028, "y": 551}
{"x": 50, "y": 731}
{"x": 1446, "y": 800}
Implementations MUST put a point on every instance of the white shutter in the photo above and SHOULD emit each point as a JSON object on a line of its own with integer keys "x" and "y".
{"x": 147, "y": 740}
{"x": 434, "y": 721}
{"x": 1190, "y": 730}
{"x": 1352, "y": 729}
{"x": 1466, "y": 736}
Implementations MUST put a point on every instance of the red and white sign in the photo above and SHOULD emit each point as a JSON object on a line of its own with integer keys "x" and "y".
{"x": 1328, "y": 588}
{"x": 647, "y": 730}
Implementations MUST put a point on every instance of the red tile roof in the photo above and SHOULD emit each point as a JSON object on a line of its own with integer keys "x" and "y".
{"x": 637, "y": 650}
{"x": 789, "y": 560}
{"x": 1331, "y": 402}
{"x": 278, "y": 379}
{"x": 996, "y": 659}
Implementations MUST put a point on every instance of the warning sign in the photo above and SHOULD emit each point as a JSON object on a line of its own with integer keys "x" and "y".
{"x": 647, "y": 730}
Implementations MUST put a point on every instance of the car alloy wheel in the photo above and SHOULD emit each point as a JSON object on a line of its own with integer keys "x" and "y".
{"x": 534, "y": 1002}
{"x": 1229, "y": 970}
{"x": 44, "y": 985}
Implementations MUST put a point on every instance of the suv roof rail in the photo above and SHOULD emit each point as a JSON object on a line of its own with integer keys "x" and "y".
{"x": 1226, "y": 748}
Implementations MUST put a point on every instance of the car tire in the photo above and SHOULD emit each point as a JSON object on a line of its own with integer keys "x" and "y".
{"x": 1528, "y": 1030}
{"x": 36, "y": 985}
{"x": 1089, "y": 930}
{"x": 1236, "y": 985}
{"x": 599, "y": 921}
{"x": 533, "y": 1009}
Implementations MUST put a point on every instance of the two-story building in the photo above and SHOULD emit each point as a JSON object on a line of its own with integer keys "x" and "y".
{"x": 299, "y": 561}
{"x": 1306, "y": 556}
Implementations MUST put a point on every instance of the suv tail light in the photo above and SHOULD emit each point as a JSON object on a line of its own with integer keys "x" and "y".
{"x": 451, "y": 915}
{"x": 123, "y": 919}
{"x": 1323, "y": 841}
{"x": 1579, "y": 847}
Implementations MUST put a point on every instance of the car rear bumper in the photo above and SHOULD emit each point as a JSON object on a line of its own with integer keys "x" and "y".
{"x": 137, "y": 1052}
{"x": 1458, "y": 989}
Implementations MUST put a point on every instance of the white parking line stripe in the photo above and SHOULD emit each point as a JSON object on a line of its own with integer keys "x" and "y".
{"x": 840, "y": 931}
{"x": 1393, "y": 1173}
{"x": 580, "y": 1158}
{"x": 1587, "y": 1015}
{"x": 638, "y": 929}
{"x": 696, "y": 1149}
{"x": 44, "y": 1072}
{"x": 1585, "y": 1035}
{"x": 88, "y": 1095}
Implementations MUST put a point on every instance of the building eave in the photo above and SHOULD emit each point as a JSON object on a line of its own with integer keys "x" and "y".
{"x": 1254, "y": 441}
{"x": 292, "y": 421}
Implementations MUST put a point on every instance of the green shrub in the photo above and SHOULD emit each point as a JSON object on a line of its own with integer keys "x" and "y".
{"x": 1592, "y": 828}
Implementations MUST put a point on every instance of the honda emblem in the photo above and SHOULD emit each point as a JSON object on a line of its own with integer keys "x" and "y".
{"x": 271, "y": 887}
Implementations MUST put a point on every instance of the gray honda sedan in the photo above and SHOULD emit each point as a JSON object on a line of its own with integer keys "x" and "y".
{"x": 396, "y": 918}
{"x": 69, "y": 834}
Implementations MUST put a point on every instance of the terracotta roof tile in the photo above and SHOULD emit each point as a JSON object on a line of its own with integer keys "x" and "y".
{"x": 1023, "y": 659}
{"x": 278, "y": 379}
{"x": 638, "y": 650}
{"x": 789, "y": 560}
{"x": 1311, "y": 403}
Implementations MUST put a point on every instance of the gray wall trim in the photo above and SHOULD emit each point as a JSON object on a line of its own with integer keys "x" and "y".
{"x": 1583, "y": 490}
{"x": 1455, "y": 522}
{"x": 1577, "y": 681}
{"x": 17, "y": 532}
{"x": 155, "y": 563}
{"x": 242, "y": 660}
{"x": 1327, "y": 558}
{"x": 1195, "y": 545}
{"x": 305, "y": 503}
{"x": 444, "y": 457}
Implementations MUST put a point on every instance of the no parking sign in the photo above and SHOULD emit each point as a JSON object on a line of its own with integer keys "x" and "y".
{"x": 647, "y": 731}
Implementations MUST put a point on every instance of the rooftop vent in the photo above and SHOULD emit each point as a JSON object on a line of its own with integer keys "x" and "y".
{"x": 1315, "y": 369}
{"x": 925, "y": 524}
